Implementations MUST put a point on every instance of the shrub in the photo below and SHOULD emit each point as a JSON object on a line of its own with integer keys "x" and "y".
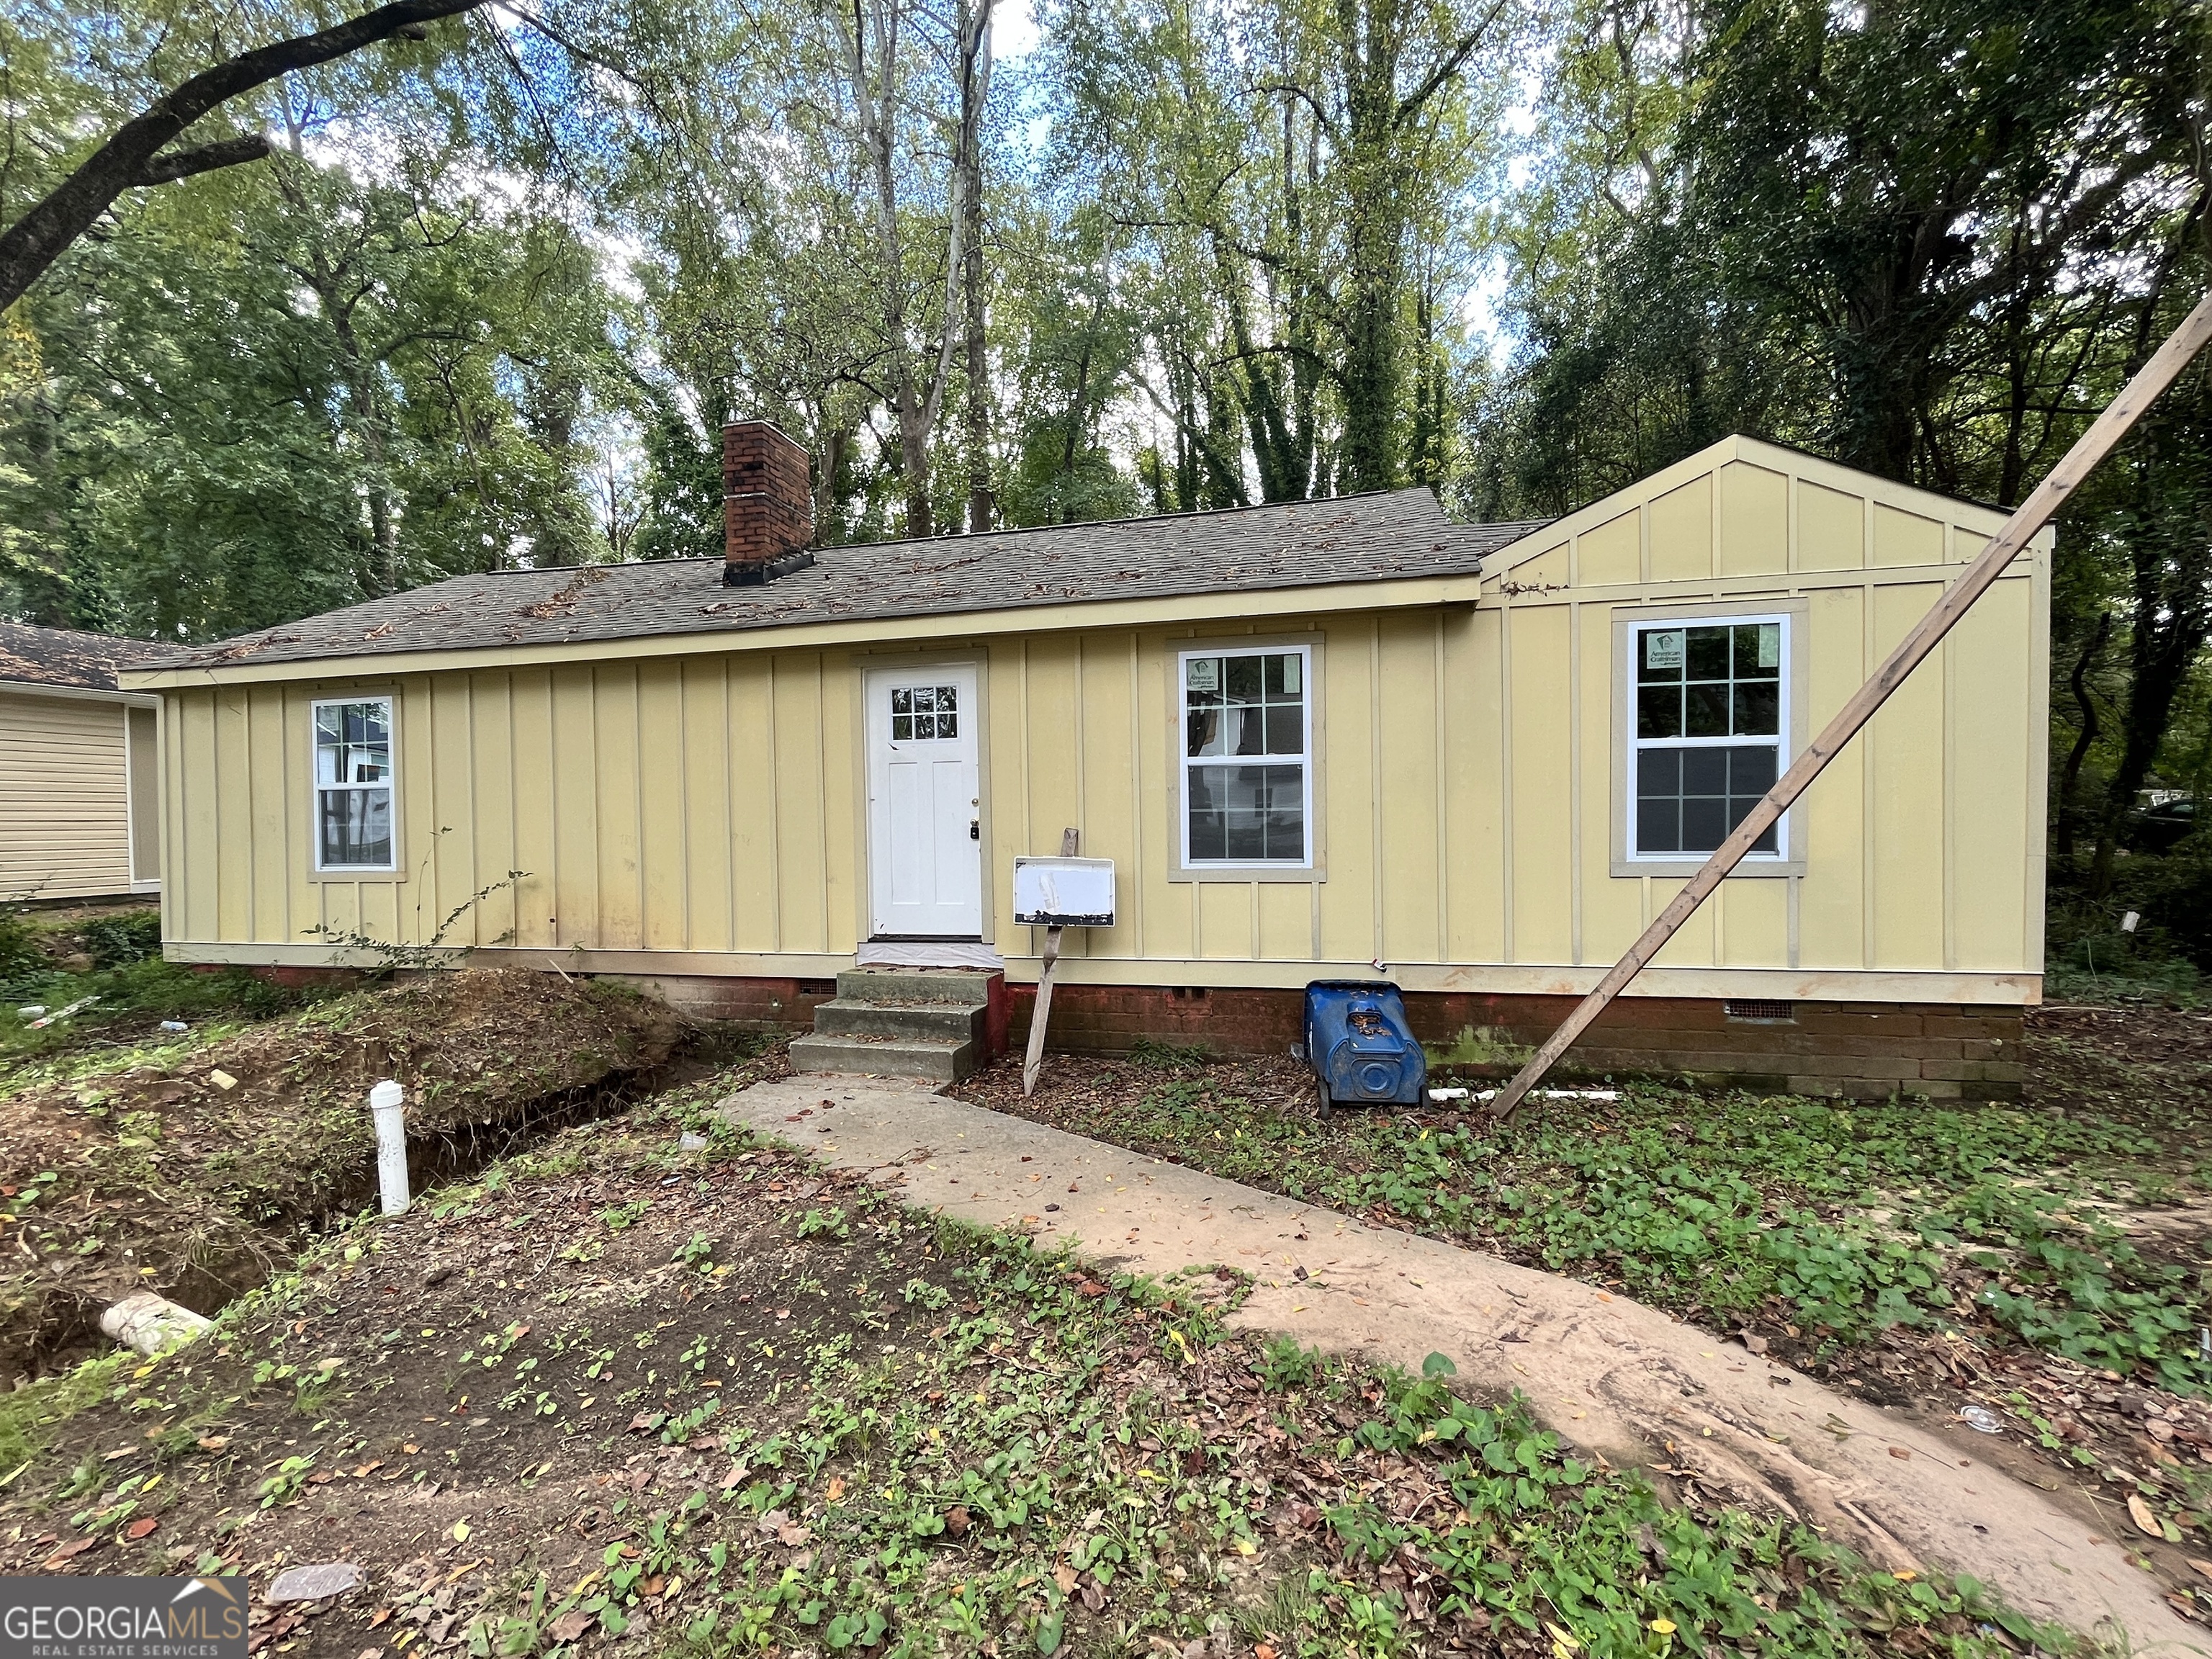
{"x": 19, "y": 947}
{"x": 116, "y": 941}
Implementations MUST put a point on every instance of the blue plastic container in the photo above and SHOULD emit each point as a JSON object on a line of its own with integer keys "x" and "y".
{"x": 1359, "y": 1045}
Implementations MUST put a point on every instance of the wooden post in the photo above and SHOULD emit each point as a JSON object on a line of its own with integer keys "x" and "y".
{"x": 1033, "y": 1061}
{"x": 2090, "y": 449}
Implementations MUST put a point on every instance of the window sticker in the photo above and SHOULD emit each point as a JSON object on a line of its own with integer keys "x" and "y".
{"x": 1203, "y": 674}
{"x": 1770, "y": 645}
{"x": 1662, "y": 648}
{"x": 1291, "y": 675}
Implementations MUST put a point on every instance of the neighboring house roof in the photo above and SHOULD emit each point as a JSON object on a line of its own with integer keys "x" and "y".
{"x": 1390, "y": 534}
{"x": 65, "y": 657}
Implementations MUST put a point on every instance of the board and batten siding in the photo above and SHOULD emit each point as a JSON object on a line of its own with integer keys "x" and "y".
{"x": 704, "y": 811}
{"x": 64, "y": 797}
{"x": 1924, "y": 841}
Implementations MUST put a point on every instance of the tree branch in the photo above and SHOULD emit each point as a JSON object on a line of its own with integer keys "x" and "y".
{"x": 1410, "y": 105}
{"x": 132, "y": 155}
{"x": 173, "y": 165}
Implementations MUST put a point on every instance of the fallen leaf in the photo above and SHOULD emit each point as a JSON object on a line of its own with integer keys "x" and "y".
{"x": 2203, "y": 1567}
{"x": 1754, "y": 1344}
{"x": 1899, "y": 1451}
{"x": 836, "y": 1487}
{"x": 410, "y": 1449}
{"x": 379, "y": 1617}
{"x": 460, "y": 1532}
{"x": 570, "y": 1625}
{"x": 1064, "y": 1576}
{"x": 141, "y": 1528}
{"x": 957, "y": 1519}
{"x": 2140, "y": 1513}
{"x": 791, "y": 1535}
{"x": 222, "y": 1079}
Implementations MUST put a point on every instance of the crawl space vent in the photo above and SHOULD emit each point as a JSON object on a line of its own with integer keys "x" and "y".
{"x": 1760, "y": 1013}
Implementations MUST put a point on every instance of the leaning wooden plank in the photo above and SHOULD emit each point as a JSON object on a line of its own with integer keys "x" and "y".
{"x": 2093, "y": 447}
{"x": 1071, "y": 843}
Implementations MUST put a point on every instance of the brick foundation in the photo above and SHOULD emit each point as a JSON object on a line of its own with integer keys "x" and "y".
{"x": 1856, "y": 1050}
{"x": 757, "y": 1005}
{"x": 788, "y": 1005}
{"x": 1853, "y": 1050}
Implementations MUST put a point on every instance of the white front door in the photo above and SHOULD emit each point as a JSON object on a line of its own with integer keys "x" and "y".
{"x": 925, "y": 804}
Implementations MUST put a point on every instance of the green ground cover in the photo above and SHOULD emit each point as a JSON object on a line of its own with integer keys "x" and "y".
{"x": 1840, "y": 1219}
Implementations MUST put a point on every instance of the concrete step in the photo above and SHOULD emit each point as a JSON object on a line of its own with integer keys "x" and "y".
{"x": 912, "y": 985}
{"x": 941, "y": 1022}
{"x": 933, "y": 1061}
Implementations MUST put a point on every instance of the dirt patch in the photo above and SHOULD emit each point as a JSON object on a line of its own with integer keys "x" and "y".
{"x": 2148, "y": 1067}
{"x": 199, "y": 1176}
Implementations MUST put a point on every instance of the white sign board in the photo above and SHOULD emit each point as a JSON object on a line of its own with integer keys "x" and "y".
{"x": 1055, "y": 892}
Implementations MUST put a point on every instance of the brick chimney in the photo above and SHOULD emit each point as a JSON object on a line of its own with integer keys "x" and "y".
{"x": 768, "y": 504}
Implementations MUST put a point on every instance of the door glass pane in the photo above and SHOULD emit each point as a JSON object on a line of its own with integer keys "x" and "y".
{"x": 924, "y": 714}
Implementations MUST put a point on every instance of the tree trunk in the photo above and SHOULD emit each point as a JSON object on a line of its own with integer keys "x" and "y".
{"x": 975, "y": 88}
{"x": 873, "y": 31}
{"x": 2070, "y": 776}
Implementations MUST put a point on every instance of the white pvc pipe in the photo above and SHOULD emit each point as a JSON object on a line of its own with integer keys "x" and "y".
{"x": 1441, "y": 1097}
{"x": 387, "y": 1104}
{"x": 152, "y": 1324}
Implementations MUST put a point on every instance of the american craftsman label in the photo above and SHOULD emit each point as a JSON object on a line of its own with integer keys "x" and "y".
{"x": 1203, "y": 674}
{"x": 1662, "y": 648}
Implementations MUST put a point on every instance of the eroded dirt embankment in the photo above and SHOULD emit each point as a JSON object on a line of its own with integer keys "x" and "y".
{"x": 199, "y": 1177}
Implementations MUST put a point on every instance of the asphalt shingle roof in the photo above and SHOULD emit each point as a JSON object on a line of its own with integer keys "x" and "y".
{"x": 63, "y": 656}
{"x": 1391, "y": 534}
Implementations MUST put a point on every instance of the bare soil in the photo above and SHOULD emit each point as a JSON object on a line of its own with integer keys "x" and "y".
{"x": 199, "y": 1175}
{"x": 527, "y": 1386}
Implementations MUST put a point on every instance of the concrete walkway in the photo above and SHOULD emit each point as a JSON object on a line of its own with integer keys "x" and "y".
{"x": 1622, "y": 1381}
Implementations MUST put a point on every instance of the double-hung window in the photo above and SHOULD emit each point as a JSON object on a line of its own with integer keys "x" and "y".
{"x": 354, "y": 784}
{"x": 1246, "y": 727}
{"x": 1709, "y": 706}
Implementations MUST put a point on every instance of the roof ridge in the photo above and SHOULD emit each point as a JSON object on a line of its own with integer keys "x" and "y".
{"x": 956, "y": 538}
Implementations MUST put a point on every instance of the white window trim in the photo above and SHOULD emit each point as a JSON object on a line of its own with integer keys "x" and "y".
{"x": 1630, "y": 622}
{"x": 396, "y": 867}
{"x": 1308, "y": 759}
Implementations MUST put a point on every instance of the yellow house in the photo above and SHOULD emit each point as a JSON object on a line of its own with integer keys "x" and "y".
{"x": 80, "y": 794}
{"x": 1344, "y": 738}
